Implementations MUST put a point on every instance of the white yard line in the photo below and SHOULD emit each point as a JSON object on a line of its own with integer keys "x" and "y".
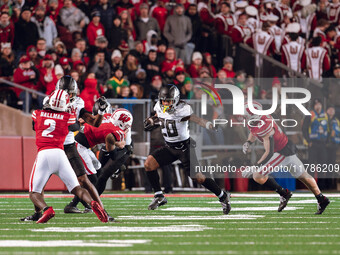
{"x": 234, "y": 209}
{"x": 188, "y": 218}
{"x": 171, "y": 228}
{"x": 70, "y": 243}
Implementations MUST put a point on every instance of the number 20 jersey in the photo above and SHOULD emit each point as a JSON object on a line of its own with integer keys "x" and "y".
{"x": 173, "y": 129}
{"x": 51, "y": 128}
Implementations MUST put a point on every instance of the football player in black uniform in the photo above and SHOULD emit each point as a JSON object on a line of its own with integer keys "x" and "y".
{"x": 173, "y": 116}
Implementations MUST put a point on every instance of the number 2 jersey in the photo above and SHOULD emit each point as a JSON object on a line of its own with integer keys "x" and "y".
{"x": 264, "y": 127}
{"x": 75, "y": 106}
{"x": 173, "y": 129}
{"x": 51, "y": 128}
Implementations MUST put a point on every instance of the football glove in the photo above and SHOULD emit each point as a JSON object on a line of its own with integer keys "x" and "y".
{"x": 245, "y": 147}
{"x": 151, "y": 123}
{"x": 102, "y": 103}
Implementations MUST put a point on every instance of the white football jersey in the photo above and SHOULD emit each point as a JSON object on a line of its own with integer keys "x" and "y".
{"x": 173, "y": 129}
{"x": 76, "y": 105}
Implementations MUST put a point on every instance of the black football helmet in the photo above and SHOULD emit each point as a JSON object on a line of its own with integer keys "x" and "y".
{"x": 171, "y": 94}
{"x": 68, "y": 84}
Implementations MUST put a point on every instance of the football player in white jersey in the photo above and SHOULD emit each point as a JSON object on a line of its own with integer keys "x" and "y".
{"x": 76, "y": 106}
{"x": 173, "y": 116}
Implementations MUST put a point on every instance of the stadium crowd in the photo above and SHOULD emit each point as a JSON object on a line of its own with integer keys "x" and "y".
{"x": 128, "y": 49}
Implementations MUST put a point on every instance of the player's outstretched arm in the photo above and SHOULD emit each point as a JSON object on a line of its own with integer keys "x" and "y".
{"x": 95, "y": 120}
{"x": 268, "y": 144}
{"x": 202, "y": 122}
{"x": 90, "y": 119}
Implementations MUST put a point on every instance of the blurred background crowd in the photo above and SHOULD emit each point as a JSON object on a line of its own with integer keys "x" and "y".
{"x": 129, "y": 48}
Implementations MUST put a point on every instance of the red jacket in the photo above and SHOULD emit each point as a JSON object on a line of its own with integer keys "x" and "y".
{"x": 93, "y": 31}
{"x": 193, "y": 71}
{"x": 90, "y": 93}
{"x": 7, "y": 33}
{"x": 230, "y": 74}
{"x": 47, "y": 81}
{"x": 160, "y": 14}
{"x": 206, "y": 17}
{"x": 22, "y": 77}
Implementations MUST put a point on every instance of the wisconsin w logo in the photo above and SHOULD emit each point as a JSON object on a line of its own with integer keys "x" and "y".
{"x": 124, "y": 118}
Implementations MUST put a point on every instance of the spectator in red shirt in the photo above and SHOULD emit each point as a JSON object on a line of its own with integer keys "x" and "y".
{"x": 196, "y": 65}
{"x": 170, "y": 60}
{"x": 65, "y": 65}
{"x": 228, "y": 67}
{"x": 6, "y": 29}
{"x": 27, "y": 77}
{"x": 47, "y": 78}
{"x": 95, "y": 28}
{"x": 160, "y": 13}
{"x": 90, "y": 93}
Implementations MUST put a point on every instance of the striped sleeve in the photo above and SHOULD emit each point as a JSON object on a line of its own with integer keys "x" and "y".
{"x": 119, "y": 135}
{"x": 71, "y": 120}
{"x": 34, "y": 115}
{"x": 266, "y": 130}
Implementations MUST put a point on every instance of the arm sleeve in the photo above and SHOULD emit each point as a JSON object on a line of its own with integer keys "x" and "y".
{"x": 74, "y": 127}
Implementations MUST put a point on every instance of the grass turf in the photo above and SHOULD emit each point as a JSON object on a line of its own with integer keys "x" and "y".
{"x": 253, "y": 227}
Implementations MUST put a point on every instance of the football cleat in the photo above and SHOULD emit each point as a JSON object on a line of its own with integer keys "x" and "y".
{"x": 158, "y": 200}
{"x": 109, "y": 218}
{"x": 99, "y": 211}
{"x": 88, "y": 210}
{"x": 71, "y": 209}
{"x": 47, "y": 215}
{"x": 322, "y": 206}
{"x": 33, "y": 217}
{"x": 284, "y": 200}
{"x": 225, "y": 202}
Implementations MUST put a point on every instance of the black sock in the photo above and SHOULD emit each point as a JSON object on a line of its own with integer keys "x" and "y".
{"x": 154, "y": 180}
{"x": 75, "y": 201}
{"x": 211, "y": 185}
{"x": 273, "y": 185}
{"x": 86, "y": 205}
{"x": 93, "y": 178}
{"x": 320, "y": 197}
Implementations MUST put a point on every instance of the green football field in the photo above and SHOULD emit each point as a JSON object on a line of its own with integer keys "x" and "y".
{"x": 188, "y": 224}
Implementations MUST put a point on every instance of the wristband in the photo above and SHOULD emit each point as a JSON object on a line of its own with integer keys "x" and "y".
{"x": 207, "y": 125}
{"x": 101, "y": 112}
{"x": 250, "y": 142}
